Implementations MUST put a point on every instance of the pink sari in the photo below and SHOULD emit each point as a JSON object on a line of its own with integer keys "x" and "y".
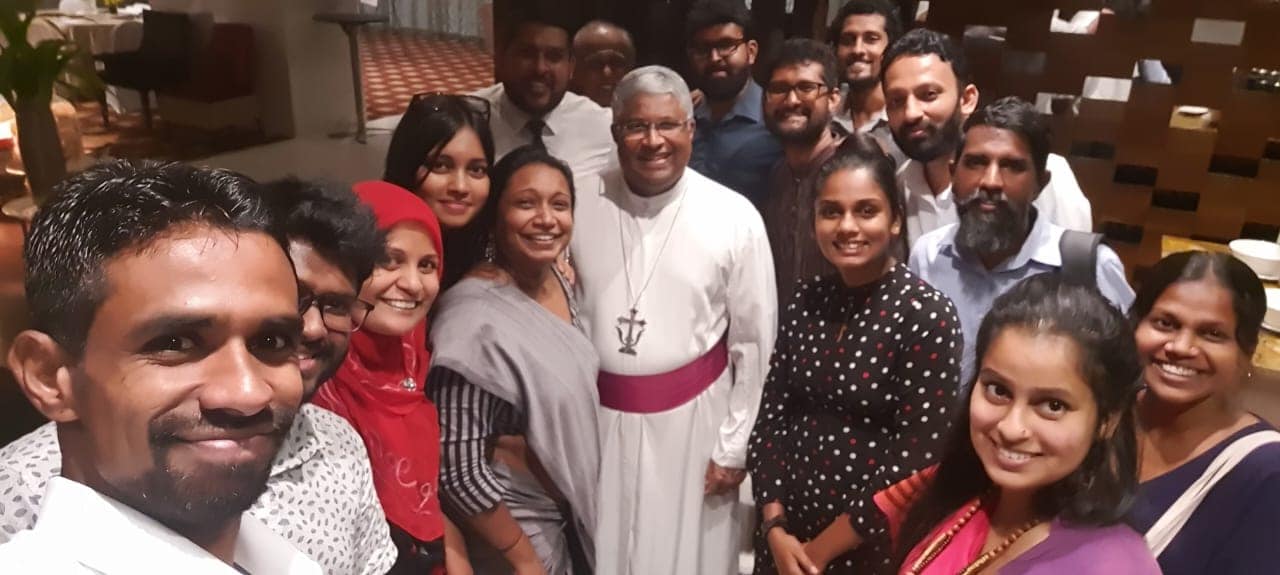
{"x": 963, "y": 549}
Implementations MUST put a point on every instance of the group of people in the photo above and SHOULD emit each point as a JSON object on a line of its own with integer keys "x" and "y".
{"x": 563, "y": 328}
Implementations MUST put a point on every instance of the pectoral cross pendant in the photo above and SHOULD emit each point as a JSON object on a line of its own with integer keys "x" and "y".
{"x": 632, "y": 336}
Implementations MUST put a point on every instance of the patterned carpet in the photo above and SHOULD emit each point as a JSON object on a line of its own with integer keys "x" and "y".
{"x": 397, "y": 64}
{"x": 400, "y": 63}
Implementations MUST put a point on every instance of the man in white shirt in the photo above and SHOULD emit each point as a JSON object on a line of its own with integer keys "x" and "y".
{"x": 163, "y": 346}
{"x": 320, "y": 494}
{"x": 678, "y": 296}
{"x": 531, "y": 103}
{"x": 928, "y": 96}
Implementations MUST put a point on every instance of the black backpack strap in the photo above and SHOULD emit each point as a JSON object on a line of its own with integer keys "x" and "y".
{"x": 1080, "y": 257}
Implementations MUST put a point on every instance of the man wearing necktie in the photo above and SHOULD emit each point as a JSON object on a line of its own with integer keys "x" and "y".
{"x": 531, "y": 103}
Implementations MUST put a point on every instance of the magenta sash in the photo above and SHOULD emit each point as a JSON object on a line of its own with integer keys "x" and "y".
{"x": 663, "y": 391}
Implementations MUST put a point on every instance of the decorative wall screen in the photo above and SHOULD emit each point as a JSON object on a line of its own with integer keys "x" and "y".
{"x": 1169, "y": 112}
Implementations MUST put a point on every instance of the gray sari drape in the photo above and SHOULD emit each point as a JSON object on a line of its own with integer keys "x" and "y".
{"x": 508, "y": 345}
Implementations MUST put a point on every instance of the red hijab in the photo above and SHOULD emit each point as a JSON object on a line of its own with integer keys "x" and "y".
{"x": 371, "y": 390}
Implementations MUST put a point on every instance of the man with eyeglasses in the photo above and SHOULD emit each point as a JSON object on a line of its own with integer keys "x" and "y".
{"x": 531, "y": 103}
{"x": 677, "y": 294}
{"x": 800, "y": 99}
{"x": 731, "y": 145}
{"x": 603, "y": 53}
{"x": 320, "y": 493}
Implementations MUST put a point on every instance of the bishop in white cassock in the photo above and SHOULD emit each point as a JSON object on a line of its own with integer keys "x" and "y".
{"x": 677, "y": 290}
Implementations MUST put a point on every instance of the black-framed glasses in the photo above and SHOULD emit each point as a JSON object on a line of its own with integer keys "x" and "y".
{"x": 806, "y": 91}
{"x": 340, "y": 313}
{"x": 441, "y": 101}
{"x": 722, "y": 49}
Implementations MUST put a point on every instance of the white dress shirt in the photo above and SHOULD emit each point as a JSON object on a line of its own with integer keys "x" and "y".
{"x": 319, "y": 496}
{"x": 81, "y": 531}
{"x": 1062, "y": 202}
{"x": 577, "y": 130}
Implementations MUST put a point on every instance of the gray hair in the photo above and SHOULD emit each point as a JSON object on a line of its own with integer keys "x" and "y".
{"x": 653, "y": 80}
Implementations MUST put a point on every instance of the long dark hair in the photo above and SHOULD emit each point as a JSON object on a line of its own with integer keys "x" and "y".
{"x": 426, "y": 128}
{"x": 1100, "y": 490}
{"x": 1248, "y": 297}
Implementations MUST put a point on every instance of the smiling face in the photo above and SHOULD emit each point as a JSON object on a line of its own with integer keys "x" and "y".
{"x": 189, "y": 379}
{"x": 1032, "y": 416}
{"x": 654, "y": 159}
{"x": 404, "y": 284}
{"x": 925, "y": 105}
{"x": 798, "y": 105}
{"x": 1188, "y": 346}
{"x": 860, "y": 49}
{"x": 535, "y": 217}
{"x": 535, "y": 68}
{"x": 854, "y": 225}
{"x": 455, "y": 183}
{"x": 322, "y": 349}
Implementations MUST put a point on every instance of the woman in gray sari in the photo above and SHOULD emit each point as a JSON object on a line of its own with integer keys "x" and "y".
{"x": 513, "y": 378}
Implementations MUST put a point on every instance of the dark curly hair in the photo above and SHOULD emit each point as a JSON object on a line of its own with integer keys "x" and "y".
{"x": 330, "y": 218}
{"x": 805, "y": 51}
{"x": 892, "y": 23}
{"x": 113, "y": 208}
{"x": 707, "y": 13}
{"x": 1020, "y": 117}
{"x": 922, "y": 42}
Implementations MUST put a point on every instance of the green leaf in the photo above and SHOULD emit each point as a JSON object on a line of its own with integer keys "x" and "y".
{"x": 28, "y": 71}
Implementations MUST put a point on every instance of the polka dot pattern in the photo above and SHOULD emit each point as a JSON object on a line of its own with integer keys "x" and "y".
{"x": 859, "y": 396}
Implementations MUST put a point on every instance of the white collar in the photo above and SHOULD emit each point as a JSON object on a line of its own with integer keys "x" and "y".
{"x": 647, "y": 206}
{"x": 113, "y": 538}
{"x": 874, "y": 121}
{"x": 556, "y": 120}
{"x": 915, "y": 183}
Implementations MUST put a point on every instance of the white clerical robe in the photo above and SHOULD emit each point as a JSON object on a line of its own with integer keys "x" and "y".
{"x": 714, "y": 275}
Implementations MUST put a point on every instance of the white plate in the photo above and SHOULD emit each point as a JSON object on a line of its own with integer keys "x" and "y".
{"x": 1269, "y": 278}
{"x": 1271, "y": 328}
{"x": 1193, "y": 110}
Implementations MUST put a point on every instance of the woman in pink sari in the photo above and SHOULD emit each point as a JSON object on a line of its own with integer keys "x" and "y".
{"x": 1041, "y": 464}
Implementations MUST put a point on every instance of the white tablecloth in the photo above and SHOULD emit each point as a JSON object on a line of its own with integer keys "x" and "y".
{"x": 97, "y": 33}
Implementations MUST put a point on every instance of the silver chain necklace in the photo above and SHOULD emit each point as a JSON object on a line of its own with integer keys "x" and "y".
{"x": 631, "y": 326}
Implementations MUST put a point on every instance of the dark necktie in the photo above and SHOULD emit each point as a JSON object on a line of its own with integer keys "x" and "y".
{"x": 535, "y": 127}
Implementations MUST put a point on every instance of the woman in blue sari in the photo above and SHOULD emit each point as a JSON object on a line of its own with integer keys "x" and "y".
{"x": 1196, "y": 325}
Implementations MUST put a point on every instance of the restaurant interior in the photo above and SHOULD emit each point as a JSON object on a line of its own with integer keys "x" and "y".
{"x": 1169, "y": 116}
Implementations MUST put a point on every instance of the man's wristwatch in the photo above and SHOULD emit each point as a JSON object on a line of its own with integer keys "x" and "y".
{"x": 777, "y": 521}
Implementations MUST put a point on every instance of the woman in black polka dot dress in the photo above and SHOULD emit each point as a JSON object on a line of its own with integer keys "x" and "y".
{"x": 863, "y": 376}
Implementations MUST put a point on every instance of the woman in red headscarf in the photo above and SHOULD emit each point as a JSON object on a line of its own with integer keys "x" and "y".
{"x": 379, "y": 388}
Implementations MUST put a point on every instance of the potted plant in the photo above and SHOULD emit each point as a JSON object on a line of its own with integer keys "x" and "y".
{"x": 28, "y": 75}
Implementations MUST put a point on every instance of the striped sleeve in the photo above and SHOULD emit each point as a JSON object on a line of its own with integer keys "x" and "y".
{"x": 469, "y": 418}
